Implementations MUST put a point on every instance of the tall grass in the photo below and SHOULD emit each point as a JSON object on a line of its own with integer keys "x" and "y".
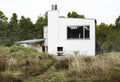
{"x": 8, "y": 76}
{"x": 13, "y": 65}
{"x": 96, "y": 68}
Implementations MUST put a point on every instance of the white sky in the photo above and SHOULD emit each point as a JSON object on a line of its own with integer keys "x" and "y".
{"x": 103, "y": 10}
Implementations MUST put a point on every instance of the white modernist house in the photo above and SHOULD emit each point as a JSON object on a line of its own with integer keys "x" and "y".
{"x": 66, "y": 36}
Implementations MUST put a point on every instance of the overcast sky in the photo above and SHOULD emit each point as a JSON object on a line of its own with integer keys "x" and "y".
{"x": 102, "y": 10}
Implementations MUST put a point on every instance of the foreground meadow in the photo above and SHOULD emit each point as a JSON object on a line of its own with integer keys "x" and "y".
{"x": 18, "y": 63}
{"x": 14, "y": 67}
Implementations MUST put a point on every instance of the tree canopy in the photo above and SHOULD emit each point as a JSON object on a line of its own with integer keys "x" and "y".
{"x": 109, "y": 36}
{"x": 74, "y": 15}
{"x": 23, "y": 29}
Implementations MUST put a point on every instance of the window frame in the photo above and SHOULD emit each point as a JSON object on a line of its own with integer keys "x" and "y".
{"x": 83, "y": 32}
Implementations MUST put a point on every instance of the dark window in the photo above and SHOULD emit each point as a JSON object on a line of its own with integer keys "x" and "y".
{"x": 59, "y": 48}
{"x": 43, "y": 48}
{"x": 75, "y": 32}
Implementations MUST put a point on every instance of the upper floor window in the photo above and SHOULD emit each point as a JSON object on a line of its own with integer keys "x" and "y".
{"x": 78, "y": 32}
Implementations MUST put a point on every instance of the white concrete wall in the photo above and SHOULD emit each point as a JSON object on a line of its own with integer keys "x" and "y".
{"x": 53, "y": 23}
{"x": 57, "y": 35}
{"x": 84, "y": 46}
{"x": 46, "y": 35}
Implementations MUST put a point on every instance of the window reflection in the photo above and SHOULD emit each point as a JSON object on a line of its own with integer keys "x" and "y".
{"x": 75, "y": 32}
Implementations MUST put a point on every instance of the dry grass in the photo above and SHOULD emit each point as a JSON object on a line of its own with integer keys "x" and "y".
{"x": 13, "y": 66}
{"x": 96, "y": 68}
{"x": 12, "y": 63}
{"x": 8, "y": 76}
{"x": 3, "y": 64}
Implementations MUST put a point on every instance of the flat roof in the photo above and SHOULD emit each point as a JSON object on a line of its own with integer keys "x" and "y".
{"x": 77, "y": 18}
{"x": 31, "y": 41}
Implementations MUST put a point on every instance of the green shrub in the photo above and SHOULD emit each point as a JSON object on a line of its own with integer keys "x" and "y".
{"x": 13, "y": 48}
{"x": 4, "y": 51}
{"x": 107, "y": 46}
{"x": 58, "y": 77}
{"x": 73, "y": 80}
{"x": 32, "y": 70}
{"x": 63, "y": 64}
{"x": 7, "y": 76}
{"x": 14, "y": 55}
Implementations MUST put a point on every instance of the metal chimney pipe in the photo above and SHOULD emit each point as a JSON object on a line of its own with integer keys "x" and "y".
{"x": 55, "y": 7}
{"x": 52, "y": 7}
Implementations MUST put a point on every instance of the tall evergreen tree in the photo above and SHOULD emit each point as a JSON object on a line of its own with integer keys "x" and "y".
{"x": 26, "y": 28}
{"x": 38, "y": 30}
{"x": 117, "y": 22}
{"x": 101, "y": 32}
{"x": 14, "y": 29}
{"x": 40, "y": 23}
{"x": 3, "y": 29}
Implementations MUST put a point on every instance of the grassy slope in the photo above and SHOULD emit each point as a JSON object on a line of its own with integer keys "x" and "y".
{"x": 104, "y": 68}
{"x": 101, "y": 68}
{"x": 52, "y": 75}
{"x": 13, "y": 65}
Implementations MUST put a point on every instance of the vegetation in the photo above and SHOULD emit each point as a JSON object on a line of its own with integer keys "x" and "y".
{"x": 96, "y": 69}
{"x": 63, "y": 64}
{"x": 23, "y": 29}
{"x": 75, "y": 15}
{"x": 108, "y": 36}
{"x": 104, "y": 68}
{"x": 15, "y": 66}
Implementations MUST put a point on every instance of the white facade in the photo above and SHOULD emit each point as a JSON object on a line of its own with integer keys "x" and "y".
{"x": 56, "y": 35}
{"x": 45, "y": 35}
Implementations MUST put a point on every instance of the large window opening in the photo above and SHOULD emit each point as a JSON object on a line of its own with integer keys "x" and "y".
{"x": 78, "y": 32}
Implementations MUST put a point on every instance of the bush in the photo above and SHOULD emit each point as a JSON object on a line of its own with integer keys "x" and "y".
{"x": 7, "y": 76}
{"x": 32, "y": 70}
{"x": 58, "y": 77}
{"x": 13, "y": 48}
{"x": 3, "y": 64}
{"x": 14, "y": 55}
{"x": 107, "y": 46}
{"x": 62, "y": 64}
{"x": 4, "y": 51}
